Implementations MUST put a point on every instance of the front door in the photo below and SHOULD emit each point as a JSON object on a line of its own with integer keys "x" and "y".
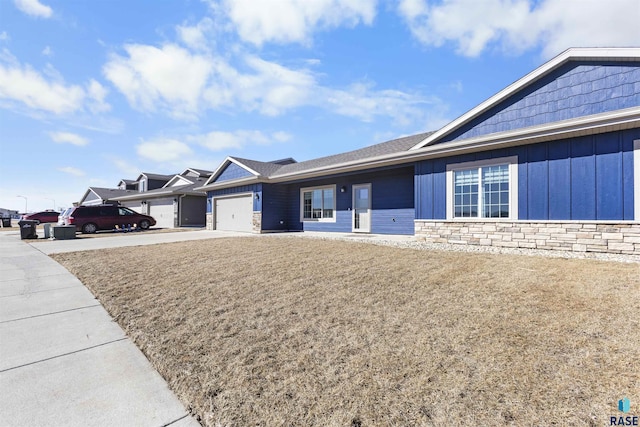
{"x": 362, "y": 208}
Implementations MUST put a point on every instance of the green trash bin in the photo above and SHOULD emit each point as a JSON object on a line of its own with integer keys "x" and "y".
{"x": 28, "y": 229}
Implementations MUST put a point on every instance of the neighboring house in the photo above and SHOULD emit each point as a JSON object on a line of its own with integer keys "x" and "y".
{"x": 151, "y": 181}
{"x": 128, "y": 184}
{"x": 98, "y": 195}
{"x": 176, "y": 203}
{"x": 552, "y": 161}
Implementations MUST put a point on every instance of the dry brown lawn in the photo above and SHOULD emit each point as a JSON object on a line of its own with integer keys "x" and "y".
{"x": 289, "y": 331}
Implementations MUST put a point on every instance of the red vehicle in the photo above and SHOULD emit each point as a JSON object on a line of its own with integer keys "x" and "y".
{"x": 89, "y": 219}
{"x": 45, "y": 216}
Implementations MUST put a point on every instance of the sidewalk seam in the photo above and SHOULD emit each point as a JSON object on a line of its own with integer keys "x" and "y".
{"x": 64, "y": 354}
{"x": 49, "y": 314}
{"x": 37, "y": 292}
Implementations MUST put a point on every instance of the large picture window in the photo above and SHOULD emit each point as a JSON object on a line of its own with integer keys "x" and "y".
{"x": 485, "y": 189}
{"x": 318, "y": 203}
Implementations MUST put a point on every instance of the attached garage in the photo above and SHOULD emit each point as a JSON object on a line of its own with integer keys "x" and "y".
{"x": 134, "y": 206}
{"x": 162, "y": 211}
{"x": 234, "y": 213}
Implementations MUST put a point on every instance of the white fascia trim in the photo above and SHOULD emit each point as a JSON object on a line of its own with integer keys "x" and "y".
{"x": 512, "y": 161}
{"x": 224, "y": 164}
{"x": 144, "y": 195}
{"x": 319, "y": 187}
{"x": 230, "y": 183}
{"x": 177, "y": 178}
{"x": 576, "y": 54}
{"x": 597, "y": 123}
{"x": 636, "y": 179}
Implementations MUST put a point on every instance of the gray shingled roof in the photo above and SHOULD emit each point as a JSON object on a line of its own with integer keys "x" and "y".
{"x": 158, "y": 176}
{"x": 110, "y": 193}
{"x": 271, "y": 169}
{"x": 202, "y": 172}
{"x": 389, "y": 147}
{"x": 263, "y": 168}
{"x": 166, "y": 191}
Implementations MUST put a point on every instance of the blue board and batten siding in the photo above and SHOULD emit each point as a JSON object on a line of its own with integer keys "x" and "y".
{"x": 585, "y": 178}
{"x": 574, "y": 90}
{"x": 392, "y": 208}
{"x": 232, "y": 171}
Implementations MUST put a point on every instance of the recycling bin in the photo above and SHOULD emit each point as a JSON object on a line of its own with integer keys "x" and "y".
{"x": 28, "y": 229}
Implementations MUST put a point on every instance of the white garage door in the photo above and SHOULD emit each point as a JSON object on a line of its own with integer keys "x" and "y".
{"x": 162, "y": 211}
{"x": 234, "y": 213}
{"x": 134, "y": 206}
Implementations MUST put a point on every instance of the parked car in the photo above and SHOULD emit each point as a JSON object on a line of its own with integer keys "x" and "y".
{"x": 89, "y": 219}
{"x": 45, "y": 216}
{"x": 62, "y": 218}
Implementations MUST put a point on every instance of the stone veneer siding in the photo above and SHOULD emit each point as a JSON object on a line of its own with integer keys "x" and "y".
{"x": 579, "y": 236}
{"x": 257, "y": 222}
{"x": 209, "y": 221}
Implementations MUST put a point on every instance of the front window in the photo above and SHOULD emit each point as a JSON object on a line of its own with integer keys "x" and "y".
{"x": 318, "y": 204}
{"x": 485, "y": 189}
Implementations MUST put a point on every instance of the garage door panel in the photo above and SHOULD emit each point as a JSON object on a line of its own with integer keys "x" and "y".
{"x": 234, "y": 213}
{"x": 162, "y": 211}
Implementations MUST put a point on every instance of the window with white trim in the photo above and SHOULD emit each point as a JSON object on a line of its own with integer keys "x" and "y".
{"x": 484, "y": 189}
{"x": 318, "y": 203}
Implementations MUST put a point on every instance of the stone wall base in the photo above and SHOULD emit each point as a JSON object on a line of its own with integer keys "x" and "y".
{"x": 209, "y": 221}
{"x": 618, "y": 238}
{"x": 257, "y": 222}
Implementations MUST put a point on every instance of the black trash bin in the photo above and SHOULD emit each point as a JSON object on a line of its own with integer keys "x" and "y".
{"x": 6, "y": 222}
{"x": 28, "y": 229}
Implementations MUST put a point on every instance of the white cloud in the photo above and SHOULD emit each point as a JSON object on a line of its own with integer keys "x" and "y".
{"x": 23, "y": 84}
{"x": 183, "y": 84}
{"x": 47, "y": 51}
{"x": 72, "y": 171}
{"x": 68, "y": 138}
{"x": 46, "y": 91}
{"x": 169, "y": 77}
{"x": 163, "y": 150}
{"x": 286, "y": 21}
{"x": 34, "y": 8}
{"x": 268, "y": 87}
{"x": 96, "y": 93}
{"x": 196, "y": 36}
{"x": 4, "y": 36}
{"x": 218, "y": 141}
{"x": 518, "y": 25}
{"x": 362, "y": 101}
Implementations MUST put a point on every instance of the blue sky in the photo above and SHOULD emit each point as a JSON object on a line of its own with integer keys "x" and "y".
{"x": 92, "y": 92}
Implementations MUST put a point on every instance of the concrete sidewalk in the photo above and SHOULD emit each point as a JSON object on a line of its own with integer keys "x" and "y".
{"x": 63, "y": 360}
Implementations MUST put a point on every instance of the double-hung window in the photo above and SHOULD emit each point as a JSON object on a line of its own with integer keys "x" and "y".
{"x": 484, "y": 189}
{"x": 318, "y": 203}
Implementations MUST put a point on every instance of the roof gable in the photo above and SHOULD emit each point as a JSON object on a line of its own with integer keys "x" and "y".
{"x": 575, "y": 84}
{"x": 178, "y": 180}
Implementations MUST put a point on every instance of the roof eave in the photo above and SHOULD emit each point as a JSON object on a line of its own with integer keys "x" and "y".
{"x": 573, "y": 54}
{"x": 231, "y": 183}
{"x": 598, "y": 123}
{"x": 224, "y": 163}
